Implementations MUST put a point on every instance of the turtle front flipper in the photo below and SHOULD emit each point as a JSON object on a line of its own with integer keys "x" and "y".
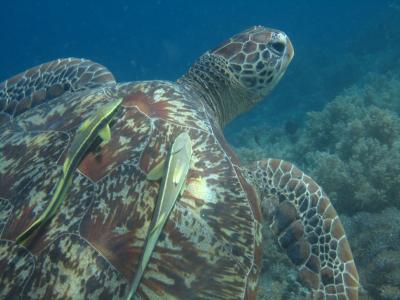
{"x": 48, "y": 81}
{"x": 307, "y": 227}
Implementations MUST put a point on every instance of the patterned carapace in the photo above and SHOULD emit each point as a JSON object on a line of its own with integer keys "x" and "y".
{"x": 211, "y": 244}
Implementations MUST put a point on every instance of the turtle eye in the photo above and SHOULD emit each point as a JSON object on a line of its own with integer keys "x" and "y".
{"x": 278, "y": 47}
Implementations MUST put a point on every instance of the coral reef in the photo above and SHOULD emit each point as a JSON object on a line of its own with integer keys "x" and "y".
{"x": 278, "y": 279}
{"x": 375, "y": 242}
{"x": 350, "y": 146}
{"x": 352, "y": 149}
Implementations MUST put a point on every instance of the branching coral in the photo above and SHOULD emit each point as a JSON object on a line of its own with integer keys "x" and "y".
{"x": 352, "y": 148}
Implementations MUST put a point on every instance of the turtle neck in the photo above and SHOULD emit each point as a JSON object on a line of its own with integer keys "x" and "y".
{"x": 222, "y": 94}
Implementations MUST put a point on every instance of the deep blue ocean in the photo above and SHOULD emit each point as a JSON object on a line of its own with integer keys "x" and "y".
{"x": 142, "y": 40}
{"x": 335, "y": 113}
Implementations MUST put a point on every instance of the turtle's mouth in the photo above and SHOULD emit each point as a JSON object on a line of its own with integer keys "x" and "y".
{"x": 286, "y": 52}
{"x": 289, "y": 50}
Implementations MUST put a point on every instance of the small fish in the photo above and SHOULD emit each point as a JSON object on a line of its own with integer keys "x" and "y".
{"x": 98, "y": 125}
{"x": 173, "y": 170}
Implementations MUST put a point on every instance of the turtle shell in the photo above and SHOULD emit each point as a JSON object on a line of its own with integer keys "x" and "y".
{"x": 210, "y": 246}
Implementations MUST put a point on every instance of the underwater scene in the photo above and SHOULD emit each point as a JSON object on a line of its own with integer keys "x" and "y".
{"x": 189, "y": 183}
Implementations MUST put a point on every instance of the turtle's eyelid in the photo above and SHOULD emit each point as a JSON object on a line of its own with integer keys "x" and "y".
{"x": 278, "y": 47}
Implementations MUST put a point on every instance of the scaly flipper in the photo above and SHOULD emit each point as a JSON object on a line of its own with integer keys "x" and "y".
{"x": 98, "y": 125}
{"x": 47, "y": 81}
{"x": 308, "y": 228}
{"x": 173, "y": 171}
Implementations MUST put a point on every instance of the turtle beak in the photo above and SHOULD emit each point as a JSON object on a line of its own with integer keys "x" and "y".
{"x": 289, "y": 49}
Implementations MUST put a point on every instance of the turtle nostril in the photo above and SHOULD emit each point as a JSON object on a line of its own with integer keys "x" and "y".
{"x": 278, "y": 47}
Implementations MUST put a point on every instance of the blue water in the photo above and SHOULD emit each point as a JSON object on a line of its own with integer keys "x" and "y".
{"x": 140, "y": 40}
{"x": 160, "y": 39}
{"x": 337, "y": 43}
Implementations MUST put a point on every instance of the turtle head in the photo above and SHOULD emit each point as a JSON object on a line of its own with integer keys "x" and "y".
{"x": 241, "y": 71}
{"x": 257, "y": 58}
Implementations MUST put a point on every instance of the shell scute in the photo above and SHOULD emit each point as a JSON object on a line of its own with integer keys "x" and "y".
{"x": 128, "y": 138}
{"x": 209, "y": 245}
{"x": 165, "y": 100}
{"x": 79, "y": 260}
{"x": 18, "y": 263}
{"x": 64, "y": 113}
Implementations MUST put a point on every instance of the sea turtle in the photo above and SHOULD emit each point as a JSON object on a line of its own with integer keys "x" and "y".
{"x": 112, "y": 190}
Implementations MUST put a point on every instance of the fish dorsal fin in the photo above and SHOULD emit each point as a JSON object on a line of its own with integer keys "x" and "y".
{"x": 105, "y": 133}
{"x": 87, "y": 133}
{"x": 157, "y": 172}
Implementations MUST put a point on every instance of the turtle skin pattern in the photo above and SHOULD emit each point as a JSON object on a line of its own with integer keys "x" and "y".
{"x": 211, "y": 245}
